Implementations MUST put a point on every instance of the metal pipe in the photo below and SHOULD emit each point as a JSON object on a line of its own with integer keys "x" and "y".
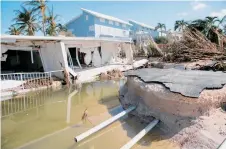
{"x": 140, "y": 134}
{"x": 102, "y": 125}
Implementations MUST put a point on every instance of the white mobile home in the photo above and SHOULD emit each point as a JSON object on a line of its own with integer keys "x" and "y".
{"x": 83, "y": 58}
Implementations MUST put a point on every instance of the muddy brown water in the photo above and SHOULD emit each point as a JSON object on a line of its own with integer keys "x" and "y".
{"x": 52, "y": 118}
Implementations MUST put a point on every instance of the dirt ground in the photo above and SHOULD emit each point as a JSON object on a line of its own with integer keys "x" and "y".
{"x": 207, "y": 133}
{"x": 190, "y": 122}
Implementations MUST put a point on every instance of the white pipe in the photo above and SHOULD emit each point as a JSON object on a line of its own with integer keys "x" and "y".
{"x": 222, "y": 145}
{"x": 68, "y": 120}
{"x": 102, "y": 125}
{"x": 140, "y": 134}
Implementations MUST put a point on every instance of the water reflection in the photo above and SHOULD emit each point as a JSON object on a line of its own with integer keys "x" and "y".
{"x": 51, "y": 119}
{"x": 28, "y": 117}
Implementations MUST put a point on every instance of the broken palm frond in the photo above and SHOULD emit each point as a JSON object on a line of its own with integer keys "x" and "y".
{"x": 194, "y": 46}
{"x": 221, "y": 38}
{"x": 153, "y": 43}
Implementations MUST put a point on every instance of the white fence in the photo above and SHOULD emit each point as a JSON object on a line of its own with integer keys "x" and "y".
{"x": 14, "y": 81}
{"x": 28, "y": 102}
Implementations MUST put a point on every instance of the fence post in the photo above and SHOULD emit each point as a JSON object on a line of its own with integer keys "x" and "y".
{"x": 21, "y": 78}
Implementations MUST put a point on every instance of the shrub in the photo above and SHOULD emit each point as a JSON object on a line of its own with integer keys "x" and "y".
{"x": 161, "y": 40}
{"x": 152, "y": 51}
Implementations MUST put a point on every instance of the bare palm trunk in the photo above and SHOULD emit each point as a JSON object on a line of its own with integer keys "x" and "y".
{"x": 43, "y": 28}
{"x": 161, "y": 32}
{"x": 43, "y": 21}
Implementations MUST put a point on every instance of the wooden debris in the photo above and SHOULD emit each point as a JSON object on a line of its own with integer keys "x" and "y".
{"x": 194, "y": 46}
{"x": 111, "y": 75}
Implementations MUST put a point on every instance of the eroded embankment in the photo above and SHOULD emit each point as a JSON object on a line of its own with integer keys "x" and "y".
{"x": 179, "y": 115}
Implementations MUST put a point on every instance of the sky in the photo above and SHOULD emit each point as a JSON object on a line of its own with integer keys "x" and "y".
{"x": 148, "y": 12}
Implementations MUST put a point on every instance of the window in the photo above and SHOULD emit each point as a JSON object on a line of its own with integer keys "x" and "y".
{"x": 91, "y": 28}
{"x": 110, "y": 22}
{"x": 123, "y": 25}
{"x": 116, "y": 23}
{"x": 124, "y": 33}
{"x": 87, "y": 17}
{"x": 102, "y": 20}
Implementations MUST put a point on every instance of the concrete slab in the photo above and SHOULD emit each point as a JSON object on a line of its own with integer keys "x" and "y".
{"x": 188, "y": 83}
{"x": 91, "y": 74}
{"x": 8, "y": 84}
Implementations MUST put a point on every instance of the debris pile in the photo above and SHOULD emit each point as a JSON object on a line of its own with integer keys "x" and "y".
{"x": 216, "y": 66}
{"x": 111, "y": 75}
{"x": 35, "y": 83}
{"x": 194, "y": 46}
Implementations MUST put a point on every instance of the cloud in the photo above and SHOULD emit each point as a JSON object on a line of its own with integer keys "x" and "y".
{"x": 182, "y": 14}
{"x": 219, "y": 14}
{"x": 198, "y": 5}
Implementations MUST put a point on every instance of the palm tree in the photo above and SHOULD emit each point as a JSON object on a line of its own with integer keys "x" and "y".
{"x": 13, "y": 30}
{"x": 51, "y": 19}
{"x": 61, "y": 27}
{"x": 160, "y": 26}
{"x": 26, "y": 21}
{"x": 210, "y": 24}
{"x": 180, "y": 25}
{"x": 40, "y": 6}
{"x": 224, "y": 29}
{"x": 221, "y": 22}
{"x": 208, "y": 27}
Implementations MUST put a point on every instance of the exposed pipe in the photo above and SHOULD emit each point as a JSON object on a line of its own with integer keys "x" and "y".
{"x": 140, "y": 134}
{"x": 222, "y": 145}
{"x": 102, "y": 125}
{"x": 68, "y": 120}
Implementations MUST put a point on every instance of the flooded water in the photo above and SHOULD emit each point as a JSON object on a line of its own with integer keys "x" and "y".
{"x": 52, "y": 118}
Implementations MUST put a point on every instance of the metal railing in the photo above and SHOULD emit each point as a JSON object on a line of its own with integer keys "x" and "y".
{"x": 16, "y": 81}
{"x": 28, "y": 102}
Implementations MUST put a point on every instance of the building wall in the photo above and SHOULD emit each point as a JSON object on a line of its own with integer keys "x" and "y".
{"x": 108, "y": 28}
{"x": 88, "y": 25}
{"x": 136, "y": 27}
{"x": 53, "y": 55}
{"x": 83, "y": 26}
{"x": 105, "y": 31}
{"x": 110, "y": 23}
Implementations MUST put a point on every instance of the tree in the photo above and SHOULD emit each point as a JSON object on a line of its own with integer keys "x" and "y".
{"x": 180, "y": 25}
{"x": 224, "y": 29}
{"x": 13, "y": 30}
{"x": 40, "y": 6}
{"x": 206, "y": 25}
{"x": 222, "y": 22}
{"x": 26, "y": 21}
{"x": 160, "y": 26}
{"x": 209, "y": 27}
{"x": 61, "y": 28}
{"x": 51, "y": 19}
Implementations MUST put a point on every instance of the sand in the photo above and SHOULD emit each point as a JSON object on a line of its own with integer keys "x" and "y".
{"x": 190, "y": 122}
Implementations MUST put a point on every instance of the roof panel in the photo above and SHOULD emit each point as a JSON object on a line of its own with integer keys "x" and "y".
{"x": 142, "y": 24}
{"x": 100, "y": 15}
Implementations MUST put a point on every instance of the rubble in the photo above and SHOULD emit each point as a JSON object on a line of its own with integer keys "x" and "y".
{"x": 194, "y": 46}
{"x": 191, "y": 121}
{"x": 35, "y": 83}
{"x": 115, "y": 74}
